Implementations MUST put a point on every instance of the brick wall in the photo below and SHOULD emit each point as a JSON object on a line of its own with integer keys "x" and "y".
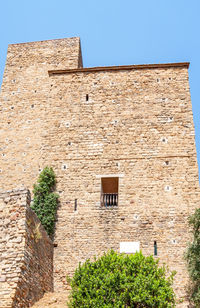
{"x": 26, "y": 252}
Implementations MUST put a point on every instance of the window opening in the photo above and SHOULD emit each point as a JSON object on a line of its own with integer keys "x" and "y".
{"x": 75, "y": 205}
{"x": 87, "y": 97}
{"x": 155, "y": 249}
{"x": 109, "y": 191}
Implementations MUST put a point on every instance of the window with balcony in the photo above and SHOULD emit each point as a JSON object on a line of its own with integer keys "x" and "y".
{"x": 109, "y": 191}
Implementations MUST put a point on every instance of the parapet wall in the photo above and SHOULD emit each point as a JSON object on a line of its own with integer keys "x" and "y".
{"x": 26, "y": 252}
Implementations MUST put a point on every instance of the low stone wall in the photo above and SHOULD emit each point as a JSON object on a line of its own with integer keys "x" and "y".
{"x": 26, "y": 252}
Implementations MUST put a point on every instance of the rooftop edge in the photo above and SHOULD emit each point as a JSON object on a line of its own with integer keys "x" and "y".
{"x": 118, "y": 68}
{"x": 43, "y": 41}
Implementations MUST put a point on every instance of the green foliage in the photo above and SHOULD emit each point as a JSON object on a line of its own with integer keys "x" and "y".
{"x": 193, "y": 258}
{"x": 118, "y": 280}
{"x": 45, "y": 201}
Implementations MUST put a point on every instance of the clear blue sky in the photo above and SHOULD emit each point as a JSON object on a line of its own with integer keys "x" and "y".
{"x": 112, "y": 32}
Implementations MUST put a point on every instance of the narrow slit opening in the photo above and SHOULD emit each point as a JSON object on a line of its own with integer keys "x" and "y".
{"x": 87, "y": 97}
{"x": 75, "y": 205}
{"x": 155, "y": 249}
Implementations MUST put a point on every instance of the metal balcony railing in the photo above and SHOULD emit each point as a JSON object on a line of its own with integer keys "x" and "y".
{"x": 109, "y": 199}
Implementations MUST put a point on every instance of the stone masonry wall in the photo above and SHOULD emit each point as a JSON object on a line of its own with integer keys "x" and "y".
{"x": 26, "y": 252}
{"x": 135, "y": 124}
{"x": 24, "y": 106}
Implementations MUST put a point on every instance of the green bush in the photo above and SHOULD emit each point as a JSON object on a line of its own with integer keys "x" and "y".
{"x": 118, "y": 280}
{"x": 193, "y": 258}
{"x": 45, "y": 201}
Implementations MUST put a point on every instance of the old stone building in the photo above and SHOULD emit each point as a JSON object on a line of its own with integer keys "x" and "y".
{"x": 121, "y": 142}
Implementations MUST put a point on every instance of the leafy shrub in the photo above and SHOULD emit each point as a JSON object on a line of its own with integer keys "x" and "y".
{"x": 193, "y": 258}
{"x": 118, "y": 280}
{"x": 45, "y": 201}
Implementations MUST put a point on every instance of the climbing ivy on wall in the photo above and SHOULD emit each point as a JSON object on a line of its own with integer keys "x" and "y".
{"x": 45, "y": 201}
{"x": 193, "y": 258}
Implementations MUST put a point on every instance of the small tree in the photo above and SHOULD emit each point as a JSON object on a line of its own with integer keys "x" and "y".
{"x": 118, "y": 280}
{"x": 193, "y": 258}
{"x": 45, "y": 201}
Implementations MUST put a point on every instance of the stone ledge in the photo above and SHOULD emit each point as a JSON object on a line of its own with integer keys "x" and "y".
{"x": 119, "y": 68}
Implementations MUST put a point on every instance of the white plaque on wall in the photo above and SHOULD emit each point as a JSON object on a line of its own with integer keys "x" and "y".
{"x": 129, "y": 247}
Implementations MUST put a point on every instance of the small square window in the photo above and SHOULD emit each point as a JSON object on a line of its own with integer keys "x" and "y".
{"x": 109, "y": 191}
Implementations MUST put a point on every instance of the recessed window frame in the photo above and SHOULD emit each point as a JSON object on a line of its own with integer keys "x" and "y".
{"x": 109, "y": 191}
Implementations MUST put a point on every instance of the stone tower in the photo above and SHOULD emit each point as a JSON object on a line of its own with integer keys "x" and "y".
{"x": 121, "y": 142}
